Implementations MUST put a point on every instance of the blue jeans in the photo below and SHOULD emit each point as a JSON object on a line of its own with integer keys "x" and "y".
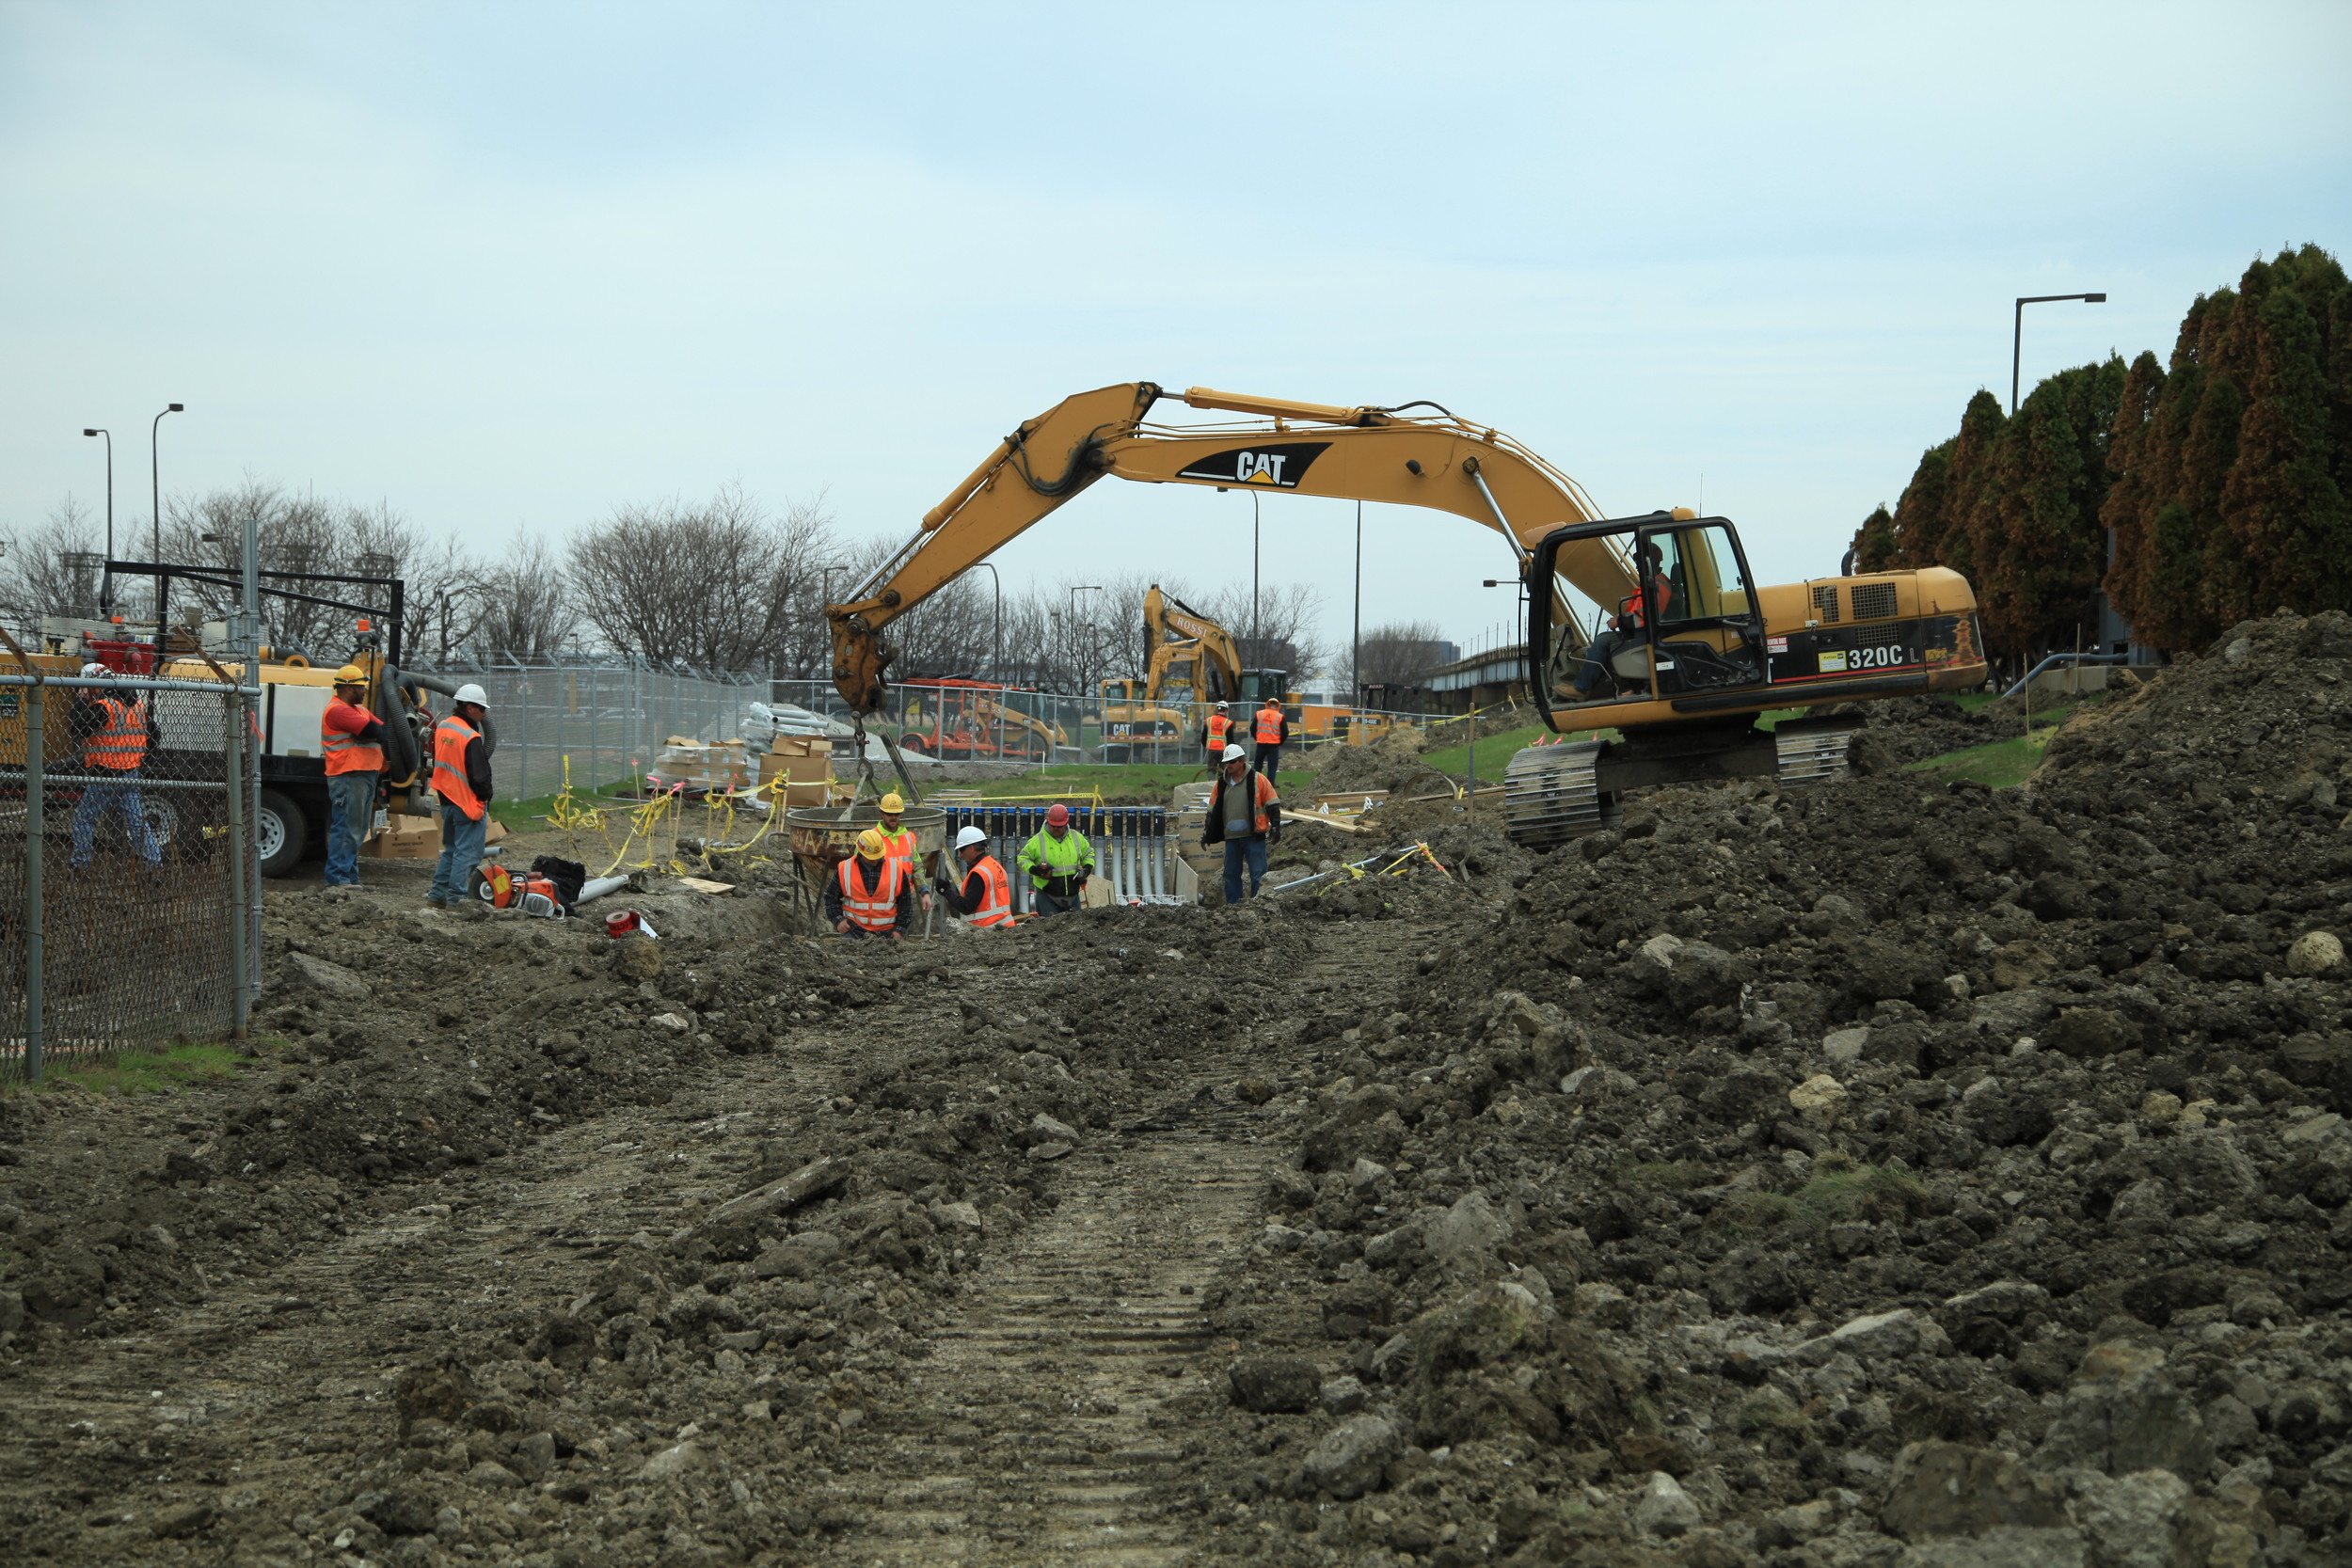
{"x": 461, "y": 851}
{"x": 1238, "y": 854}
{"x": 350, "y": 813}
{"x": 1596, "y": 655}
{"x": 97, "y": 801}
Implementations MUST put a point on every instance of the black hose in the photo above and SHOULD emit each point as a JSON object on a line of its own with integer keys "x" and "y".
{"x": 401, "y": 751}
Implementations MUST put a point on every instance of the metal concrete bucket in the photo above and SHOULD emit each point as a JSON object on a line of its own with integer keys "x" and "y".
{"x": 823, "y": 835}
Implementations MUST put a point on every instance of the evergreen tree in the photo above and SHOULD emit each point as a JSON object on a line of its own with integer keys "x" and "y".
{"x": 1874, "y": 544}
{"x": 2282, "y": 501}
{"x": 1919, "y": 512}
{"x": 2040, "y": 548}
{"x": 1972, "y": 503}
{"x": 2129, "y": 511}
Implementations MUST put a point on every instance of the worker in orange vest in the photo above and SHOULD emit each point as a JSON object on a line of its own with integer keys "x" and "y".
{"x": 113, "y": 729}
{"x": 869, "y": 893}
{"x": 1245, "y": 816}
{"x": 1652, "y": 596}
{"x": 984, "y": 901}
{"x": 461, "y": 777}
{"x": 352, "y": 740}
{"x": 901, "y": 843}
{"x": 1213, "y": 733}
{"x": 1271, "y": 730}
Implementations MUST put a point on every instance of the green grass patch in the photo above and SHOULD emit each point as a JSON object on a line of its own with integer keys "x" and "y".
{"x": 1495, "y": 751}
{"x": 166, "y": 1072}
{"x": 525, "y": 815}
{"x": 1831, "y": 1197}
{"x": 1997, "y": 765}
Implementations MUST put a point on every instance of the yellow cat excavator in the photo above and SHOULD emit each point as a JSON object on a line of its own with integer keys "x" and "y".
{"x": 1189, "y": 661}
{"x": 1649, "y": 626}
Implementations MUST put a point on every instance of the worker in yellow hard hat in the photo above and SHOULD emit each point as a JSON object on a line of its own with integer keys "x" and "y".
{"x": 899, "y": 842}
{"x": 869, "y": 893}
{"x": 352, "y": 740}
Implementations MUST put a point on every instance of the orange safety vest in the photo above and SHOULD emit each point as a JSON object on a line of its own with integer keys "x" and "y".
{"x": 1270, "y": 725}
{"x": 996, "y": 903}
{"x": 345, "y": 752}
{"x": 899, "y": 846}
{"x": 874, "y": 908}
{"x": 1218, "y": 724}
{"x": 123, "y": 744}
{"x": 1635, "y": 607}
{"x": 449, "y": 766}
{"x": 1266, "y": 798}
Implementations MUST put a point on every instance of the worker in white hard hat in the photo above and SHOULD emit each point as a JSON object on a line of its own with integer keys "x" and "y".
{"x": 1245, "y": 816}
{"x": 111, "y": 725}
{"x": 461, "y": 777}
{"x": 983, "y": 901}
{"x": 901, "y": 841}
{"x": 352, "y": 740}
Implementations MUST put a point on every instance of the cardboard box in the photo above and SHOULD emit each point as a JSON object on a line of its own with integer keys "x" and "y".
{"x": 800, "y": 746}
{"x": 794, "y": 767}
{"x": 807, "y": 794}
{"x": 404, "y": 838}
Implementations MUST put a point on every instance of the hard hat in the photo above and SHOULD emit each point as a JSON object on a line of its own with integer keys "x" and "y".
{"x": 1058, "y": 816}
{"x": 970, "y": 837}
{"x": 1220, "y": 708}
{"x": 892, "y": 804}
{"x": 93, "y": 668}
{"x": 1234, "y": 753}
{"x": 872, "y": 844}
{"x": 473, "y": 693}
{"x": 351, "y": 674}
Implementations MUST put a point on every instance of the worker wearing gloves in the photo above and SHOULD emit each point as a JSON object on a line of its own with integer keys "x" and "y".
{"x": 1271, "y": 730}
{"x": 1059, "y": 861}
{"x": 113, "y": 732}
{"x": 984, "y": 900}
{"x": 461, "y": 777}
{"x": 1246, "y": 815}
{"x": 899, "y": 842}
{"x": 869, "y": 893}
{"x": 1213, "y": 733}
{"x": 352, "y": 740}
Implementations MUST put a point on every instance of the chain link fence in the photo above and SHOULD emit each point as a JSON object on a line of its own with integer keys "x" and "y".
{"x": 609, "y": 720}
{"x": 126, "y": 878}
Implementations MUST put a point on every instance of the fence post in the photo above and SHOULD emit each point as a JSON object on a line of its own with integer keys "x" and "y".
{"x": 37, "y": 720}
{"x": 232, "y": 757}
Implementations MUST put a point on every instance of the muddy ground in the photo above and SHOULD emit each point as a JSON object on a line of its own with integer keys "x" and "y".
{"x": 1890, "y": 1174}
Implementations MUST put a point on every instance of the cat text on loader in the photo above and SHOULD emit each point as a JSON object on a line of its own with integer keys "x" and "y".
{"x": 1695, "y": 655}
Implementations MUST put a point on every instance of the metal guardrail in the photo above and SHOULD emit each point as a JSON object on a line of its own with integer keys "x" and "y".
{"x": 2074, "y": 660}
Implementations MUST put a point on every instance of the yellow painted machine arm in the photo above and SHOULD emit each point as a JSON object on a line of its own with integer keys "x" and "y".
{"x": 1177, "y": 631}
{"x": 1433, "y": 460}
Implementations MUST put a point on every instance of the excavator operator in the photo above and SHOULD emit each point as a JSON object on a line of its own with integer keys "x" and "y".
{"x": 1652, "y": 598}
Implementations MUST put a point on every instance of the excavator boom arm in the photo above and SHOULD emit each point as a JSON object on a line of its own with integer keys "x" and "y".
{"x": 1355, "y": 453}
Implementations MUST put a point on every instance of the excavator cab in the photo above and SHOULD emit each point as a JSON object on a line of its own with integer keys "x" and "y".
{"x": 1640, "y": 610}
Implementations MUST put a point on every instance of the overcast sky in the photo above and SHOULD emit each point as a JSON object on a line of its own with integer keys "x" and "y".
{"x": 505, "y": 266}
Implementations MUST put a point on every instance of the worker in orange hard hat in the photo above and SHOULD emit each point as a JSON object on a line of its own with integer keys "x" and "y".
{"x": 869, "y": 893}
{"x": 1059, "y": 861}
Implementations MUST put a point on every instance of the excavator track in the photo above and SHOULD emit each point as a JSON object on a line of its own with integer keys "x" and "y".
{"x": 1552, "y": 794}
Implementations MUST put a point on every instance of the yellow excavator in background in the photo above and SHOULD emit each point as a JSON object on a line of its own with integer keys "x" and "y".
{"x": 1190, "y": 660}
{"x": 1650, "y": 626}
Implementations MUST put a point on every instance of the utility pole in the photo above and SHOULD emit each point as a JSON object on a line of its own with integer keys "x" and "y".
{"x": 155, "y": 478}
{"x": 107, "y": 583}
{"x": 2017, "y": 334}
{"x": 1356, "y": 643}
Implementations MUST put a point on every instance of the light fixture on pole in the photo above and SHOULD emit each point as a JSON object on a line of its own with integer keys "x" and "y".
{"x": 2017, "y": 334}
{"x": 155, "y": 478}
{"x": 107, "y": 583}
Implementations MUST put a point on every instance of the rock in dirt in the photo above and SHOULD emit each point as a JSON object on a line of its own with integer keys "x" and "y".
{"x": 400, "y": 1513}
{"x": 2314, "y": 953}
{"x": 1268, "y": 1385}
{"x": 677, "y": 1460}
{"x": 816, "y": 1180}
{"x": 1950, "y": 1489}
{"x": 2124, "y": 1415}
{"x": 174, "y": 1524}
{"x": 1665, "y": 1508}
{"x": 636, "y": 959}
{"x": 1349, "y": 1460}
{"x": 328, "y": 981}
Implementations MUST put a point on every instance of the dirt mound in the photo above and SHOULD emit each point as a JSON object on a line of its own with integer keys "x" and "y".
{"x": 1383, "y": 764}
{"x": 1836, "y": 1165}
{"x": 1917, "y": 728}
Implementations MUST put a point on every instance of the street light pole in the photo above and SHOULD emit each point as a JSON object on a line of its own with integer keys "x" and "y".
{"x": 1256, "y": 626}
{"x": 155, "y": 477}
{"x": 2017, "y": 334}
{"x": 1082, "y": 588}
{"x": 1356, "y": 647}
{"x": 106, "y": 583}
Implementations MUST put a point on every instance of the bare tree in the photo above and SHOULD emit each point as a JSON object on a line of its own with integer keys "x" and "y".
{"x": 718, "y": 585}
{"x": 524, "y": 608}
{"x": 1283, "y": 630}
{"x": 47, "y": 569}
{"x": 1399, "y": 653}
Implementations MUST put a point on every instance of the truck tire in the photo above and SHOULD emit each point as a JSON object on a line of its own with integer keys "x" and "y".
{"x": 280, "y": 833}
